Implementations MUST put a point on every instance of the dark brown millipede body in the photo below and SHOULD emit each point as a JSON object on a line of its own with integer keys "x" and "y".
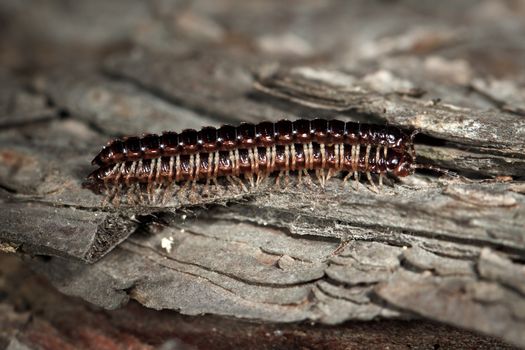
{"x": 326, "y": 146}
{"x": 246, "y": 135}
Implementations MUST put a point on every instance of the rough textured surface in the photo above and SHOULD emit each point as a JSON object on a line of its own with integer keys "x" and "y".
{"x": 34, "y": 315}
{"x": 447, "y": 249}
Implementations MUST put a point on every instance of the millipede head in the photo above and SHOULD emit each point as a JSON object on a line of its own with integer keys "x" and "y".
{"x": 102, "y": 157}
{"x": 94, "y": 181}
{"x": 401, "y": 164}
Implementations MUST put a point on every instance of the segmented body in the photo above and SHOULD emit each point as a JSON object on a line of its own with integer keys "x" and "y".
{"x": 255, "y": 151}
{"x": 246, "y": 135}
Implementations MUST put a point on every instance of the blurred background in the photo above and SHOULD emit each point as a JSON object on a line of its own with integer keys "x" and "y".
{"x": 480, "y": 36}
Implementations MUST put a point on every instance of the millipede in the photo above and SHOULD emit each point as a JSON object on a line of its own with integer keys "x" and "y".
{"x": 250, "y": 153}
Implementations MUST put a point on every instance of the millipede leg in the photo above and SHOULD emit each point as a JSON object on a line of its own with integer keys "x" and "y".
{"x": 269, "y": 155}
{"x": 241, "y": 183}
{"x": 256, "y": 159}
{"x": 193, "y": 191}
{"x": 308, "y": 180}
{"x": 232, "y": 182}
{"x": 166, "y": 193}
{"x": 331, "y": 172}
{"x": 149, "y": 193}
{"x": 347, "y": 176}
{"x": 116, "y": 195}
{"x": 209, "y": 169}
{"x": 129, "y": 195}
{"x": 183, "y": 191}
{"x": 111, "y": 198}
{"x": 174, "y": 189}
{"x": 143, "y": 193}
{"x": 278, "y": 179}
{"x": 131, "y": 172}
{"x": 215, "y": 183}
{"x": 339, "y": 156}
{"x": 215, "y": 166}
{"x": 105, "y": 200}
{"x": 211, "y": 186}
{"x": 108, "y": 196}
{"x": 170, "y": 173}
{"x": 151, "y": 183}
{"x": 192, "y": 196}
{"x": 356, "y": 180}
{"x": 237, "y": 163}
{"x": 369, "y": 177}
{"x": 158, "y": 192}
{"x": 249, "y": 177}
{"x": 381, "y": 180}
{"x": 206, "y": 188}
{"x": 354, "y": 154}
{"x": 251, "y": 159}
{"x": 142, "y": 190}
{"x": 132, "y": 195}
{"x": 292, "y": 156}
{"x": 115, "y": 199}
{"x": 320, "y": 176}
{"x": 274, "y": 157}
{"x": 310, "y": 156}
{"x": 137, "y": 190}
{"x": 367, "y": 154}
{"x": 197, "y": 168}
{"x": 158, "y": 171}
{"x": 232, "y": 161}
{"x": 323, "y": 155}
{"x": 261, "y": 176}
{"x": 287, "y": 151}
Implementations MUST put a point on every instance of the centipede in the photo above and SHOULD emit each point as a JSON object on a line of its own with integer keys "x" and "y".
{"x": 248, "y": 154}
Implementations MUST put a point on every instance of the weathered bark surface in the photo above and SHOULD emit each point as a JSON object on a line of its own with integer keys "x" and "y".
{"x": 34, "y": 315}
{"x": 447, "y": 249}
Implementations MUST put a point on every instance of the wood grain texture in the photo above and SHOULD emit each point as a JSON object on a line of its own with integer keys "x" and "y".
{"x": 35, "y": 315}
{"x": 446, "y": 249}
